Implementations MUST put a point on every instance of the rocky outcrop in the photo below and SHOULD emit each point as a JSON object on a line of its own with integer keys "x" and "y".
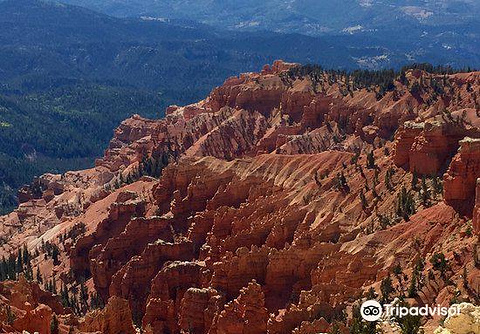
{"x": 278, "y": 67}
{"x": 242, "y": 93}
{"x": 278, "y": 206}
{"x": 119, "y": 215}
{"x": 120, "y": 249}
{"x": 198, "y": 309}
{"x": 461, "y": 176}
{"x": 426, "y": 147}
{"x": 234, "y": 272}
{"x": 114, "y": 318}
{"x": 168, "y": 289}
{"x": 34, "y": 320}
{"x": 467, "y": 321}
{"x": 476, "y": 210}
{"x": 246, "y": 314}
{"x": 29, "y": 308}
{"x": 130, "y": 281}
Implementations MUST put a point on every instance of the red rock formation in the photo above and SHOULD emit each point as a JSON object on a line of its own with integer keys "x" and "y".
{"x": 476, "y": 210}
{"x": 129, "y": 282}
{"x": 246, "y": 314}
{"x": 31, "y": 309}
{"x": 460, "y": 179}
{"x": 267, "y": 181}
{"x": 168, "y": 289}
{"x": 114, "y": 318}
{"x": 120, "y": 213}
{"x": 118, "y": 250}
{"x": 426, "y": 147}
{"x": 198, "y": 308}
{"x": 234, "y": 272}
{"x": 404, "y": 139}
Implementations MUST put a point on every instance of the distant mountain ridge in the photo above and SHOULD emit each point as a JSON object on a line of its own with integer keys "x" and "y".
{"x": 311, "y": 12}
{"x": 313, "y": 17}
{"x": 444, "y": 30}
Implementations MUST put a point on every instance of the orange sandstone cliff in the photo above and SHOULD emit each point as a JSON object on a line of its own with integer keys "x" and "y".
{"x": 272, "y": 206}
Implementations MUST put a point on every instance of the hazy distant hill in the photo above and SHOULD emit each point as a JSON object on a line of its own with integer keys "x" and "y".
{"x": 307, "y": 15}
{"x": 444, "y": 30}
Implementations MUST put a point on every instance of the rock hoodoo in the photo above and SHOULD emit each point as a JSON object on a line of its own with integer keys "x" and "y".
{"x": 272, "y": 206}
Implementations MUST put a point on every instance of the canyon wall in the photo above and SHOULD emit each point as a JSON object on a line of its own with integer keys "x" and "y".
{"x": 268, "y": 207}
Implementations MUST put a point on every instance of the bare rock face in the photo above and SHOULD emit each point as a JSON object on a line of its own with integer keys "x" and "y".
{"x": 467, "y": 321}
{"x": 119, "y": 249}
{"x": 239, "y": 133}
{"x": 36, "y": 320}
{"x": 476, "y": 210}
{"x": 198, "y": 308}
{"x": 240, "y": 93}
{"x": 432, "y": 148}
{"x": 129, "y": 282}
{"x": 114, "y": 318}
{"x": 246, "y": 314}
{"x": 460, "y": 179}
{"x": 168, "y": 289}
{"x": 426, "y": 147}
{"x": 278, "y": 205}
{"x": 120, "y": 214}
{"x": 31, "y": 308}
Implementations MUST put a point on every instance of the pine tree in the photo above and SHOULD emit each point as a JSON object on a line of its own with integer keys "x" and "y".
{"x": 425, "y": 194}
{"x": 28, "y": 272}
{"x": 55, "y": 254}
{"x": 363, "y": 200}
{"x": 54, "y": 285}
{"x": 26, "y": 254}
{"x": 39, "y": 276}
{"x": 409, "y": 324}
{"x": 405, "y": 204}
{"x": 371, "y": 294}
{"x": 341, "y": 182}
{"x": 12, "y": 268}
{"x": 386, "y": 288}
{"x": 440, "y": 263}
{"x": 83, "y": 295}
{"x": 64, "y": 296}
{"x": 4, "y": 269}
{"x": 54, "y": 325}
{"x": 414, "y": 180}
{"x": 19, "y": 267}
{"x": 354, "y": 159}
{"x": 359, "y": 326}
{"x": 10, "y": 316}
{"x": 412, "y": 289}
{"x": 388, "y": 179}
{"x": 370, "y": 160}
{"x": 437, "y": 185}
{"x": 397, "y": 271}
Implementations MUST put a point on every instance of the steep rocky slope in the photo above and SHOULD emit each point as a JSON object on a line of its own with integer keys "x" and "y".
{"x": 283, "y": 197}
